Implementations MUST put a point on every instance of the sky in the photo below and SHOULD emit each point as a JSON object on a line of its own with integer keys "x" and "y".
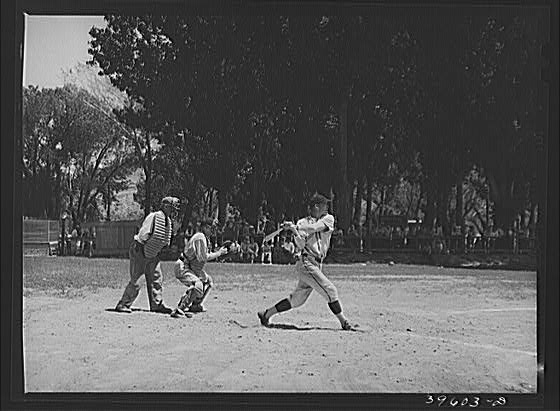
{"x": 53, "y": 44}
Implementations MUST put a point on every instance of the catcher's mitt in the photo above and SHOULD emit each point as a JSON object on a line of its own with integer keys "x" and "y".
{"x": 231, "y": 246}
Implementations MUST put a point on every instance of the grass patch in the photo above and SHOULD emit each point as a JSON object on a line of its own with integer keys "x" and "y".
{"x": 65, "y": 275}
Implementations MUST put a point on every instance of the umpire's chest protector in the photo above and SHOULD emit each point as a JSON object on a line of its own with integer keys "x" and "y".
{"x": 161, "y": 235}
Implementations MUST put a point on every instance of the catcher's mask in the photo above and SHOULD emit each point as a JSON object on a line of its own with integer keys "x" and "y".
{"x": 174, "y": 204}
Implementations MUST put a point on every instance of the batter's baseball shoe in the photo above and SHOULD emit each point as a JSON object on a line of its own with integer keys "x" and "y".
{"x": 197, "y": 308}
{"x": 262, "y": 317}
{"x": 347, "y": 326}
{"x": 122, "y": 309}
{"x": 161, "y": 309}
{"x": 178, "y": 313}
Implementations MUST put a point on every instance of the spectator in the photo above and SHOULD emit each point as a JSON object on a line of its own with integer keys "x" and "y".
{"x": 338, "y": 238}
{"x": 86, "y": 239}
{"x": 354, "y": 237}
{"x": 228, "y": 232}
{"x": 266, "y": 252}
{"x": 245, "y": 251}
{"x": 74, "y": 241}
{"x": 253, "y": 250}
{"x": 288, "y": 248}
{"x": 406, "y": 234}
{"x": 278, "y": 253}
{"x": 245, "y": 229}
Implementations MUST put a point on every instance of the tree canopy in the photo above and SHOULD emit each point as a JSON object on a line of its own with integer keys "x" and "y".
{"x": 388, "y": 113}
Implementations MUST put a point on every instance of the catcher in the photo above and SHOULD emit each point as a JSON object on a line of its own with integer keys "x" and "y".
{"x": 312, "y": 236}
{"x": 189, "y": 269}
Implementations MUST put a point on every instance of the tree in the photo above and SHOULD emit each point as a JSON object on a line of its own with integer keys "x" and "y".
{"x": 78, "y": 150}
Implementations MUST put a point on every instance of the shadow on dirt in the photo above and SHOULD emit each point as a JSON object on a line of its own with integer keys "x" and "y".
{"x": 295, "y": 327}
{"x": 144, "y": 310}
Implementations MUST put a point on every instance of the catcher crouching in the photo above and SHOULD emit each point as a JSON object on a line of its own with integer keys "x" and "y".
{"x": 189, "y": 269}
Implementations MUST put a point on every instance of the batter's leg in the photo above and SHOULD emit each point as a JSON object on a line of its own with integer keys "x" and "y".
{"x": 299, "y": 296}
{"x": 311, "y": 274}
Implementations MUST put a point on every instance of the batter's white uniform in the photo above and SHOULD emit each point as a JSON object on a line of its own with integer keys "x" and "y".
{"x": 312, "y": 242}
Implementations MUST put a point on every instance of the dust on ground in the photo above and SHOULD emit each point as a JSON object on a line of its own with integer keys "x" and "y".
{"x": 421, "y": 329}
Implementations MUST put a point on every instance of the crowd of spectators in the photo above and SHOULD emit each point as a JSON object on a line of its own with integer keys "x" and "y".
{"x": 253, "y": 249}
{"x": 421, "y": 238}
{"x": 77, "y": 242}
{"x": 249, "y": 240}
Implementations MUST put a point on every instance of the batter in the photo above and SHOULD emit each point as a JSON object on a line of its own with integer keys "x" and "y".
{"x": 312, "y": 236}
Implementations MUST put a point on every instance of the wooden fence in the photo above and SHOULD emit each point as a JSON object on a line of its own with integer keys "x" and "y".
{"x": 40, "y": 236}
{"x": 112, "y": 238}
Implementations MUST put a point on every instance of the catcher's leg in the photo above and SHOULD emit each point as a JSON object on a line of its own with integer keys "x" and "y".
{"x": 196, "y": 306}
{"x": 186, "y": 277}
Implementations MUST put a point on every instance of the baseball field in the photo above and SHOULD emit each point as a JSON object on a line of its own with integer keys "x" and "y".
{"x": 421, "y": 329}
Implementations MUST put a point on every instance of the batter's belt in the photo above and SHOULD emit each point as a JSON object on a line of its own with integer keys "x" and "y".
{"x": 309, "y": 257}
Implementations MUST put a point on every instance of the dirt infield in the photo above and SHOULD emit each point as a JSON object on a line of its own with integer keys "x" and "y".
{"x": 421, "y": 329}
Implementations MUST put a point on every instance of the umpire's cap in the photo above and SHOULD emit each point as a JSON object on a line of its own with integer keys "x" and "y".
{"x": 172, "y": 201}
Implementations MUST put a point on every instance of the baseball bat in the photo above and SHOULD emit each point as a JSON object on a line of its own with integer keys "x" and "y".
{"x": 272, "y": 235}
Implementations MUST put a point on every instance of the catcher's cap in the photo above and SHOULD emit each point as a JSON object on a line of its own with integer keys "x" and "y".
{"x": 172, "y": 201}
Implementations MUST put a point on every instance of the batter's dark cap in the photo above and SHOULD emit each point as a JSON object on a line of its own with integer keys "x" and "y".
{"x": 318, "y": 199}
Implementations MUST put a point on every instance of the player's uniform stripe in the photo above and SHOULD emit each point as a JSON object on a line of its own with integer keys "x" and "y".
{"x": 161, "y": 235}
{"x": 311, "y": 274}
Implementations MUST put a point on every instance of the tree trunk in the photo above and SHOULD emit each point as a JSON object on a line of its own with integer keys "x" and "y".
{"x": 148, "y": 194}
{"x": 343, "y": 190}
{"x": 358, "y": 203}
{"x": 505, "y": 206}
{"x": 430, "y": 211}
{"x": 108, "y": 203}
{"x": 459, "y": 215}
{"x": 210, "y": 202}
{"x": 222, "y": 206}
{"x": 369, "y": 197}
{"x": 381, "y": 205}
{"x": 148, "y": 173}
{"x": 443, "y": 217}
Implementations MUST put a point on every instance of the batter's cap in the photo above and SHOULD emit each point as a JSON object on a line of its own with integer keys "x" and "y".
{"x": 318, "y": 199}
{"x": 172, "y": 201}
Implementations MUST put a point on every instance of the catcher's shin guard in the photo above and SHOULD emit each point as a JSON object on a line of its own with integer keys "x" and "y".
{"x": 191, "y": 295}
{"x": 199, "y": 299}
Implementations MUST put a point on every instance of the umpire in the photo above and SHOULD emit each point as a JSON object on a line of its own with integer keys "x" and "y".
{"x": 154, "y": 234}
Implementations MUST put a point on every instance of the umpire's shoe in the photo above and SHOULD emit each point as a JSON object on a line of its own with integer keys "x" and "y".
{"x": 161, "y": 309}
{"x": 122, "y": 309}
